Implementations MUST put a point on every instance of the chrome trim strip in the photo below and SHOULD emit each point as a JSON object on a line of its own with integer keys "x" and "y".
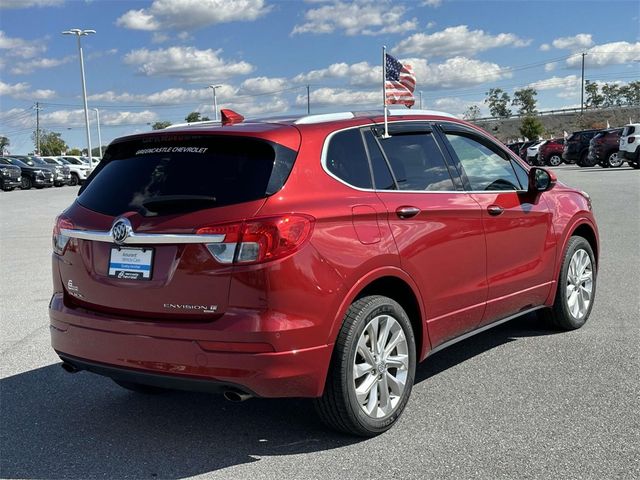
{"x": 144, "y": 238}
{"x": 484, "y": 328}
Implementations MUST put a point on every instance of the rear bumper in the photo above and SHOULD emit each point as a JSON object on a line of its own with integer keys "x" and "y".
{"x": 629, "y": 156}
{"x": 175, "y": 358}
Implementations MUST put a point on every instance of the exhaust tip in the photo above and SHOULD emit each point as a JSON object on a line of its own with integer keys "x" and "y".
{"x": 69, "y": 368}
{"x": 236, "y": 397}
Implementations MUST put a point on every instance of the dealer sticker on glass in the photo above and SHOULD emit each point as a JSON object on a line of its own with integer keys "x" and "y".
{"x": 131, "y": 263}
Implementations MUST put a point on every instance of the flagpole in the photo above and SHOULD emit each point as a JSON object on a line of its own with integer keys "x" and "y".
{"x": 384, "y": 89}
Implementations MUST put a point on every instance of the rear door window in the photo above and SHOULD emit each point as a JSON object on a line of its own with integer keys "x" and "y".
{"x": 159, "y": 175}
{"x": 347, "y": 158}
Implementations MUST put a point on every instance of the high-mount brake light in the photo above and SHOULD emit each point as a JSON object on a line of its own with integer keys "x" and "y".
{"x": 260, "y": 239}
{"x": 59, "y": 240}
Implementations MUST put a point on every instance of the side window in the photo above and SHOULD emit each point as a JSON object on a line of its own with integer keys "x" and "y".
{"x": 347, "y": 158}
{"x": 522, "y": 174}
{"x": 417, "y": 162}
{"x": 382, "y": 178}
{"x": 485, "y": 168}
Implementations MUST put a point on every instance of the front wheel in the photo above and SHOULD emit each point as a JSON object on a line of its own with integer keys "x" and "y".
{"x": 75, "y": 180}
{"x": 25, "y": 183}
{"x": 614, "y": 160}
{"x": 576, "y": 286}
{"x": 372, "y": 369}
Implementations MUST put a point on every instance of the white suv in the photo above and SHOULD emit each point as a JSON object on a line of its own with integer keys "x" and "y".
{"x": 79, "y": 169}
{"x": 629, "y": 142}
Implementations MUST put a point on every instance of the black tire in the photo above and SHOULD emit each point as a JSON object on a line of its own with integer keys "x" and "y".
{"x": 338, "y": 407}
{"x": 75, "y": 180}
{"x": 140, "y": 388}
{"x": 26, "y": 183}
{"x": 560, "y": 315}
{"x": 635, "y": 165}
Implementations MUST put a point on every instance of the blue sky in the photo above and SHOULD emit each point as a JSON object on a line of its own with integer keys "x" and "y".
{"x": 152, "y": 60}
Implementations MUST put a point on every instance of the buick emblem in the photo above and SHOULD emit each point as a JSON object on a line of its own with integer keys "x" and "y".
{"x": 121, "y": 230}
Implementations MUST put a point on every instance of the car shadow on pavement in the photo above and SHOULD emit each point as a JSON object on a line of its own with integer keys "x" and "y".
{"x": 82, "y": 426}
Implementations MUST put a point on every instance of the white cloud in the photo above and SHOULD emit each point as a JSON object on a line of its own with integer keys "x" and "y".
{"x": 189, "y": 14}
{"x": 186, "y": 63}
{"x": 19, "y": 47}
{"x": 30, "y": 3}
{"x": 432, "y": 3}
{"x": 75, "y": 118}
{"x": 577, "y": 42}
{"x": 360, "y": 73}
{"x": 570, "y": 82}
{"x": 454, "y": 41}
{"x": 29, "y": 66}
{"x": 260, "y": 85}
{"x": 614, "y": 53}
{"x": 23, "y": 91}
{"x": 545, "y": 47}
{"x": 362, "y": 17}
{"x": 550, "y": 67}
{"x": 323, "y": 97}
{"x": 454, "y": 105}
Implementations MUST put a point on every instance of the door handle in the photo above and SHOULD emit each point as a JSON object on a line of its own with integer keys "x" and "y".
{"x": 495, "y": 210}
{"x": 407, "y": 212}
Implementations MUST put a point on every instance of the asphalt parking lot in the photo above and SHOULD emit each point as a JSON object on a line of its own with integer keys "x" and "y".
{"x": 519, "y": 401}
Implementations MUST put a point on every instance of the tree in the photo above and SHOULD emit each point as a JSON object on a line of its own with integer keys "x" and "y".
{"x": 531, "y": 127}
{"x": 594, "y": 99}
{"x": 471, "y": 113}
{"x": 611, "y": 95}
{"x": 525, "y": 100}
{"x": 163, "y": 124}
{"x": 498, "y": 101}
{"x": 4, "y": 142}
{"x": 51, "y": 143}
{"x": 95, "y": 151}
{"x": 631, "y": 93}
{"x": 195, "y": 117}
{"x": 75, "y": 152}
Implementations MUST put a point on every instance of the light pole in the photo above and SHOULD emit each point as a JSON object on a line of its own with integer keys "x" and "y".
{"x": 420, "y": 99}
{"x": 80, "y": 33}
{"x": 215, "y": 102}
{"x": 99, "y": 135}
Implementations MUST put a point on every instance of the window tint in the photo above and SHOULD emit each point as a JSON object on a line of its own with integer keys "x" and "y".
{"x": 156, "y": 176}
{"x": 381, "y": 175}
{"x": 522, "y": 174}
{"x": 417, "y": 162}
{"x": 628, "y": 130}
{"x": 485, "y": 168}
{"x": 347, "y": 158}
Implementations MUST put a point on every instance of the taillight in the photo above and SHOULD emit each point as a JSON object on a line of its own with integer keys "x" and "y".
{"x": 59, "y": 240}
{"x": 631, "y": 139}
{"x": 260, "y": 239}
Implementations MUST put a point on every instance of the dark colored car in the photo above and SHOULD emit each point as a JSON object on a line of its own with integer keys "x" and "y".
{"x": 10, "y": 175}
{"x": 515, "y": 147}
{"x": 61, "y": 174}
{"x": 576, "y": 147}
{"x": 31, "y": 176}
{"x": 310, "y": 257}
{"x": 522, "y": 152}
{"x": 551, "y": 152}
{"x": 603, "y": 149}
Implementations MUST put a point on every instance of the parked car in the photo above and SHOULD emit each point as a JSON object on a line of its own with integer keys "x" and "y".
{"x": 31, "y": 176}
{"x": 551, "y": 152}
{"x": 522, "y": 153}
{"x": 629, "y": 142}
{"x": 311, "y": 257}
{"x": 62, "y": 174}
{"x": 10, "y": 175}
{"x": 515, "y": 147}
{"x": 576, "y": 147}
{"x": 603, "y": 149}
{"x": 79, "y": 170}
{"x": 532, "y": 152}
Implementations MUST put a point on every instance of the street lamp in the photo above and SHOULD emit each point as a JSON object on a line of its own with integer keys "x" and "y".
{"x": 215, "y": 103}
{"x": 99, "y": 136}
{"x": 80, "y": 33}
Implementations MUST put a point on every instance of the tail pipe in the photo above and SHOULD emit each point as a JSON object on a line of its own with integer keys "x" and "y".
{"x": 236, "y": 396}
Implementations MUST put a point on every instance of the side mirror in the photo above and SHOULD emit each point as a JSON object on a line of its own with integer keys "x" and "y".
{"x": 541, "y": 180}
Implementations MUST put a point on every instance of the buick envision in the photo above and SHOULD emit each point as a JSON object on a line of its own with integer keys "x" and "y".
{"x": 310, "y": 257}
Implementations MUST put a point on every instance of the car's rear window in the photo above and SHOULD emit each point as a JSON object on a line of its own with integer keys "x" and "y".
{"x": 173, "y": 174}
{"x": 628, "y": 130}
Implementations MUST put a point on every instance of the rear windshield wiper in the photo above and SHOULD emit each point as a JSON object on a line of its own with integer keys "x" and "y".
{"x": 182, "y": 200}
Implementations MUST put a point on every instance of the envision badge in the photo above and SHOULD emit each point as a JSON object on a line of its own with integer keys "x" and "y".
{"x": 120, "y": 230}
{"x": 188, "y": 306}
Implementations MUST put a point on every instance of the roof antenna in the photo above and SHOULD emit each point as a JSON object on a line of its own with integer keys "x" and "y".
{"x": 229, "y": 117}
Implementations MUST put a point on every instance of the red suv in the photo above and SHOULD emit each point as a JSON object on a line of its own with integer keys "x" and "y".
{"x": 310, "y": 257}
{"x": 551, "y": 152}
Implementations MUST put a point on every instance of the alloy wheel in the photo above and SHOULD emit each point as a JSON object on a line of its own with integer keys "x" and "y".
{"x": 579, "y": 284}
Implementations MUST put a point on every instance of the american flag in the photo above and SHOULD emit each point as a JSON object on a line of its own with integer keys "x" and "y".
{"x": 400, "y": 82}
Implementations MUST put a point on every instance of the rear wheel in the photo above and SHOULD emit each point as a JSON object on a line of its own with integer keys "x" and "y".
{"x": 614, "y": 160}
{"x": 26, "y": 183}
{"x": 554, "y": 160}
{"x": 140, "y": 388}
{"x": 372, "y": 369}
{"x": 576, "y": 286}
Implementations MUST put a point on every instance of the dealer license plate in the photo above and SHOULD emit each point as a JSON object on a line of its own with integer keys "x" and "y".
{"x": 131, "y": 263}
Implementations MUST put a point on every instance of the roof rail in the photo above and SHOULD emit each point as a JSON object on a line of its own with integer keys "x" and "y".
{"x": 189, "y": 124}
{"x": 395, "y": 112}
{"x": 324, "y": 117}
